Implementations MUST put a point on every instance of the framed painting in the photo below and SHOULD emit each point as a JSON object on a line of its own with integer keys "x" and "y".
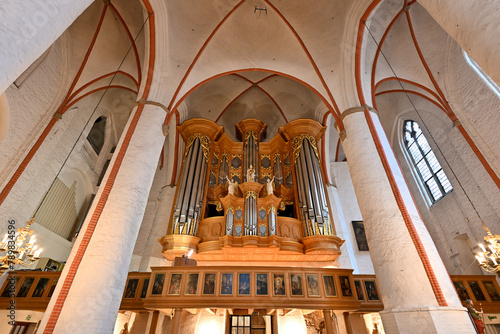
{"x": 209, "y": 284}
{"x": 53, "y": 287}
{"x": 244, "y": 284}
{"x": 296, "y": 284}
{"x": 461, "y": 291}
{"x": 191, "y": 284}
{"x": 131, "y": 288}
{"x": 10, "y": 287}
{"x": 329, "y": 283}
{"x": 359, "y": 290}
{"x": 144, "y": 289}
{"x": 226, "y": 284}
{"x": 279, "y": 284}
{"x": 40, "y": 287}
{"x": 159, "y": 281}
{"x": 174, "y": 288}
{"x": 371, "y": 290}
{"x": 313, "y": 285}
{"x": 261, "y": 282}
{"x": 345, "y": 286}
{"x": 492, "y": 291}
{"x": 359, "y": 233}
{"x": 25, "y": 287}
{"x": 476, "y": 291}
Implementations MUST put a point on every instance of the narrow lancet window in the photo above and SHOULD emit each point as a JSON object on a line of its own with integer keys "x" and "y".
{"x": 435, "y": 180}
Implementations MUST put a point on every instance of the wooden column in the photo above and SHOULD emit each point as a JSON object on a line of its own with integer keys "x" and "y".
{"x": 154, "y": 322}
{"x": 329, "y": 324}
{"x": 347, "y": 321}
{"x": 176, "y": 321}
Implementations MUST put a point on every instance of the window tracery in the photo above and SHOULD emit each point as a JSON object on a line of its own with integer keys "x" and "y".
{"x": 425, "y": 162}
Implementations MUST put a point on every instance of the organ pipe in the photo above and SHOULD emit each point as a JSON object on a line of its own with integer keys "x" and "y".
{"x": 312, "y": 198}
{"x": 189, "y": 198}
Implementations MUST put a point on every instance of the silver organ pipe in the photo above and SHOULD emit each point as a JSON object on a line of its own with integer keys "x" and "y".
{"x": 312, "y": 198}
{"x": 278, "y": 170}
{"x": 191, "y": 187}
{"x": 181, "y": 191}
{"x": 271, "y": 221}
{"x": 313, "y": 183}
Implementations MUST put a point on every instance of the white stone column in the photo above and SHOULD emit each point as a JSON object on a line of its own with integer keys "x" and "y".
{"x": 95, "y": 293}
{"x": 474, "y": 25}
{"x": 28, "y": 28}
{"x": 410, "y": 303}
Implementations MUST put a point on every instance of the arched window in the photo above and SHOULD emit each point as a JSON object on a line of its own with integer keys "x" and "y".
{"x": 96, "y": 134}
{"x": 428, "y": 167}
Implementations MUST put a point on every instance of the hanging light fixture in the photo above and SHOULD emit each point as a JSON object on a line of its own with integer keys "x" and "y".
{"x": 16, "y": 250}
{"x": 489, "y": 258}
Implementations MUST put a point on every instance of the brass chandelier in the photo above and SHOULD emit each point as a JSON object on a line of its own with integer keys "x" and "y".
{"x": 489, "y": 258}
{"x": 15, "y": 250}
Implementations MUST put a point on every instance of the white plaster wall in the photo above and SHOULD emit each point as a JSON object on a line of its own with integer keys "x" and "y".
{"x": 4, "y": 116}
{"x": 292, "y": 323}
{"x": 208, "y": 324}
{"x": 475, "y": 103}
{"x": 344, "y": 199}
{"x": 474, "y": 26}
{"x": 31, "y": 108}
{"x": 28, "y": 28}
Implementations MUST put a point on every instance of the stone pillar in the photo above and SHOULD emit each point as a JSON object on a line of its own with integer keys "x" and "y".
{"x": 394, "y": 232}
{"x": 475, "y": 27}
{"x": 28, "y": 28}
{"x": 329, "y": 324}
{"x": 90, "y": 289}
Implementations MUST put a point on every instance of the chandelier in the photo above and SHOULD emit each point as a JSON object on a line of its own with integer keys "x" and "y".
{"x": 489, "y": 258}
{"x": 14, "y": 250}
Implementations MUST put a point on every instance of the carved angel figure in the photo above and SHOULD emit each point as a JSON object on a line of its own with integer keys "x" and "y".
{"x": 231, "y": 186}
{"x": 270, "y": 186}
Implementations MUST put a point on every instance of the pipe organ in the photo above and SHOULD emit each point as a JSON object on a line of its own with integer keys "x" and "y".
{"x": 188, "y": 201}
{"x": 267, "y": 199}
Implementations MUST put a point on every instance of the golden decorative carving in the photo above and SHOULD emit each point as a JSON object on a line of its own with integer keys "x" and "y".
{"x": 251, "y": 194}
{"x": 263, "y": 175}
{"x": 249, "y": 134}
{"x": 218, "y": 205}
{"x": 204, "y": 141}
{"x": 271, "y": 208}
{"x": 297, "y": 144}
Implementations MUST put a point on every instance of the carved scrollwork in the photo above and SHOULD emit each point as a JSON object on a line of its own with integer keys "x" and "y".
{"x": 249, "y": 134}
{"x": 204, "y": 141}
{"x": 297, "y": 144}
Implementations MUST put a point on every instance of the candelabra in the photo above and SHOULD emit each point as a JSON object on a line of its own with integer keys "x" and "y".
{"x": 14, "y": 250}
{"x": 489, "y": 258}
